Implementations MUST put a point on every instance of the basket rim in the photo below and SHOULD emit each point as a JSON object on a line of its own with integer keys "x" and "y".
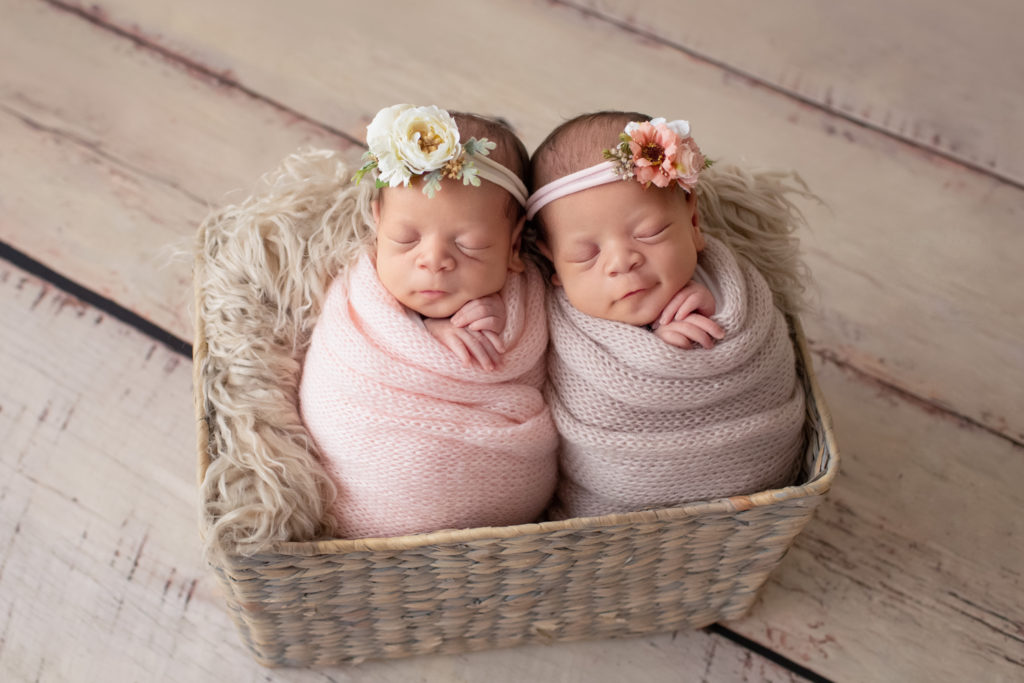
{"x": 826, "y": 461}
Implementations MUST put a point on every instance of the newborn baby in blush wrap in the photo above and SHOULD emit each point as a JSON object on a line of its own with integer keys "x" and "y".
{"x": 423, "y": 382}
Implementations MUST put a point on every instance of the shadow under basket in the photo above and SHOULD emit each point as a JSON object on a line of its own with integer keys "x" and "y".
{"x": 322, "y": 603}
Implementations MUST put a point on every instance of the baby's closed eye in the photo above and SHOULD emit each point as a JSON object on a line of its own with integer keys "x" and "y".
{"x": 472, "y": 244}
{"x": 652, "y": 233}
{"x": 581, "y": 253}
{"x": 404, "y": 237}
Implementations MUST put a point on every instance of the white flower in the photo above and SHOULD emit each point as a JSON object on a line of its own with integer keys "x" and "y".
{"x": 679, "y": 127}
{"x": 379, "y": 130}
{"x": 408, "y": 140}
{"x": 391, "y": 170}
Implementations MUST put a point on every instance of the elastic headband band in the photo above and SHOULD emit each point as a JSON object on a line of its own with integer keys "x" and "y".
{"x": 502, "y": 177}
{"x": 655, "y": 152}
{"x": 599, "y": 174}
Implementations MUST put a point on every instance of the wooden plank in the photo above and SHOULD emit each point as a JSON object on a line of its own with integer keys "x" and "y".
{"x": 113, "y": 154}
{"x": 100, "y": 574}
{"x": 948, "y": 76}
{"x": 911, "y": 569}
{"x": 900, "y": 221}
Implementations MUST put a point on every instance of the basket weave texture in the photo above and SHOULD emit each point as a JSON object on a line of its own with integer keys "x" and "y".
{"x": 322, "y": 603}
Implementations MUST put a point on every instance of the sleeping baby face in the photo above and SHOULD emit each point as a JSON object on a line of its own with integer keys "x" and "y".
{"x": 622, "y": 251}
{"x": 434, "y": 254}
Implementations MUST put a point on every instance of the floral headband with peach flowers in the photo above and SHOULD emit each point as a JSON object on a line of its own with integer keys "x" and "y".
{"x": 657, "y": 152}
{"x": 405, "y": 141}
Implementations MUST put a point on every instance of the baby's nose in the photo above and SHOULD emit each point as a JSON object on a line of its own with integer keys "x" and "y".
{"x": 622, "y": 260}
{"x": 434, "y": 255}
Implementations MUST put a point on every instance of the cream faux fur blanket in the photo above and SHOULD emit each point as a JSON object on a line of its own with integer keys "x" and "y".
{"x": 414, "y": 440}
{"x": 645, "y": 425}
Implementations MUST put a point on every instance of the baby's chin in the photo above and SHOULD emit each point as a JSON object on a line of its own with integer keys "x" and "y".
{"x": 444, "y": 307}
{"x": 638, "y": 317}
{"x": 439, "y": 310}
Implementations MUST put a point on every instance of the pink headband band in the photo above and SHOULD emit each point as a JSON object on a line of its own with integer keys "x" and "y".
{"x": 599, "y": 174}
{"x": 657, "y": 152}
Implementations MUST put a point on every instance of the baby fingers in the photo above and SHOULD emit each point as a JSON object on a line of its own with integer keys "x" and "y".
{"x": 707, "y": 325}
{"x": 494, "y": 339}
{"x": 491, "y": 323}
{"x": 695, "y": 329}
{"x": 480, "y": 349}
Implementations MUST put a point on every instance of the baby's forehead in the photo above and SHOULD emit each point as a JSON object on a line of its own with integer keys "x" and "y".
{"x": 611, "y": 204}
{"x": 487, "y": 215}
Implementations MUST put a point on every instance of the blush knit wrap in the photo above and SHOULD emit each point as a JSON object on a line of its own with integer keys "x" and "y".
{"x": 646, "y": 425}
{"x": 415, "y": 440}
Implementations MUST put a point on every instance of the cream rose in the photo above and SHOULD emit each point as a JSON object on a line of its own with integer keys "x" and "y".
{"x": 425, "y": 138}
{"x": 409, "y": 140}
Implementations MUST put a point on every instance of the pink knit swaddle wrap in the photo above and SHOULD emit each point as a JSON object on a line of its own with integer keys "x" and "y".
{"x": 647, "y": 425}
{"x": 416, "y": 441}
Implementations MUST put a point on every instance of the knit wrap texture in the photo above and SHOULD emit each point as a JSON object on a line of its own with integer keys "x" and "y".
{"x": 645, "y": 424}
{"x": 415, "y": 440}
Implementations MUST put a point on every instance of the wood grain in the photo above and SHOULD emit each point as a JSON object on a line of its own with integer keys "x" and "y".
{"x": 911, "y": 569}
{"x": 100, "y": 572}
{"x": 112, "y": 154}
{"x": 947, "y": 76}
{"x": 904, "y": 231}
{"x": 121, "y": 122}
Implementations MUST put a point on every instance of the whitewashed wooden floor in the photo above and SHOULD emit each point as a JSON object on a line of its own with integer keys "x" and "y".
{"x": 121, "y": 122}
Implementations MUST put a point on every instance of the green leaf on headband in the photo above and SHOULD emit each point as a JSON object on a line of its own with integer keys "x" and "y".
{"x": 470, "y": 175}
{"x": 370, "y": 164}
{"x": 431, "y": 183}
{"x": 483, "y": 146}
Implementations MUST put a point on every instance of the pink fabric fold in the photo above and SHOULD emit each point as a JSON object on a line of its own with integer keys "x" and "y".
{"x": 415, "y": 441}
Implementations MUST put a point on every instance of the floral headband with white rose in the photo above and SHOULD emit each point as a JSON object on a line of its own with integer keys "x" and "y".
{"x": 655, "y": 152}
{"x": 405, "y": 140}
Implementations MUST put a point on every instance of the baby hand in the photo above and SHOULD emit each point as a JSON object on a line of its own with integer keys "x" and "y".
{"x": 695, "y": 329}
{"x": 686, "y": 320}
{"x": 486, "y": 315}
{"x": 693, "y": 298}
{"x": 471, "y": 346}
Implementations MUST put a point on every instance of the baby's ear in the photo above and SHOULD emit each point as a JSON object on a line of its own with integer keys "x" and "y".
{"x": 515, "y": 258}
{"x": 545, "y": 250}
{"x": 375, "y": 208}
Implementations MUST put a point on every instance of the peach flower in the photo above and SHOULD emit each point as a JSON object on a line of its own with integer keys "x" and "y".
{"x": 661, "y": 155}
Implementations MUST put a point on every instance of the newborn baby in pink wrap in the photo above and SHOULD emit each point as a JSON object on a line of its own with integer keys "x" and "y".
{"x": 672, "y": 377}
{"x": 422, "y": 386}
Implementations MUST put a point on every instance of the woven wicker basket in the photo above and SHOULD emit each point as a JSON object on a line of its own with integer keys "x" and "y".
{"x": 326, "y": 602}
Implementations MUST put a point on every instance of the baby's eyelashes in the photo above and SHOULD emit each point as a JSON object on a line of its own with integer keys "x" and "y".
{"x": 652, "y": 233}
{"x": 582, "y": 253}
{"x": 472, "y": 246}
{"x": 406, "y": 238}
